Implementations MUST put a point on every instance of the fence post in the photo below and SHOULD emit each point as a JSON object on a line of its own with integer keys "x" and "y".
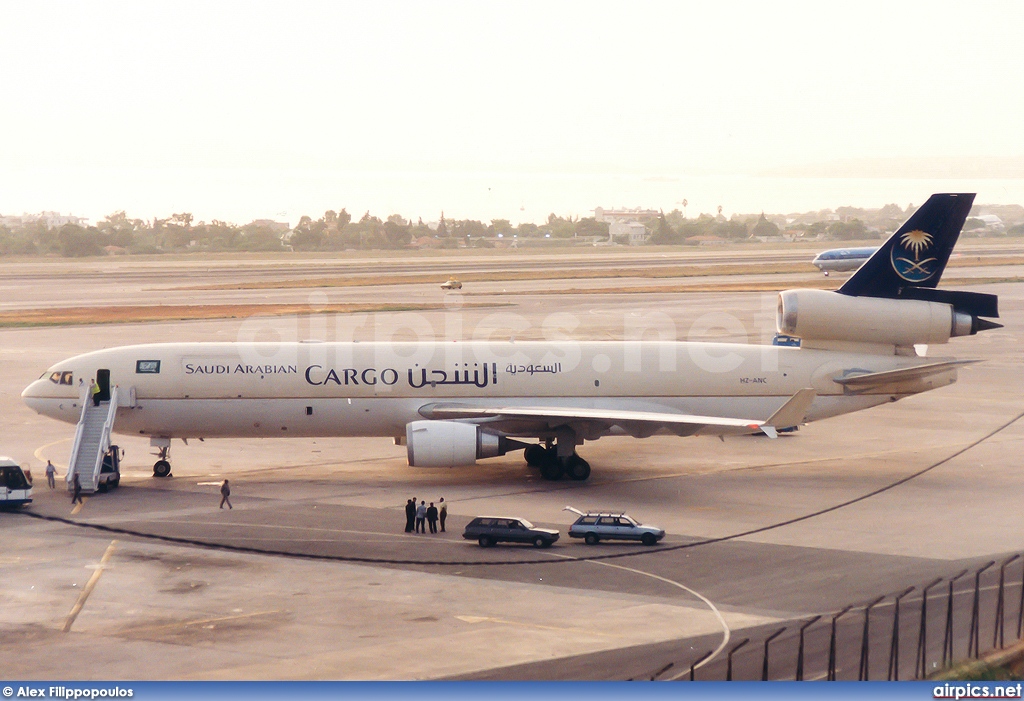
{"x": 764, "y": 666}
{"x": 947, "y": 638}
{"x": 894, "y": 645}
{"x": 831, "y": 675}
{"x": 728, "y": 668}
{"x": 1020, "y": 609}
{"x": 998, "y": 639}
{"x": 921, "y": 664}
{"x": 863, "y": 674}
{"x": 693, "y": 665}
{"x": 973, "y": 642}
{"x": 800, "y": 654}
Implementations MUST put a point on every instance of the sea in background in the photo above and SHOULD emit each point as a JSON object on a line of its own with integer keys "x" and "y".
{"x": 241, "y": 195}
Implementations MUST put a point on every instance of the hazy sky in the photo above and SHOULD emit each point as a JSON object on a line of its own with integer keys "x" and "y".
{"x": 254, "y": 109}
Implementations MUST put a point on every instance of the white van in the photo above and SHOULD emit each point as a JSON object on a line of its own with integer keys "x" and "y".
{"x": 15, "y": 489}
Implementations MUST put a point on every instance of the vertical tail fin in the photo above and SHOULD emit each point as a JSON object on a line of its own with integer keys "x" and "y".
{"x": 917, "y": 253}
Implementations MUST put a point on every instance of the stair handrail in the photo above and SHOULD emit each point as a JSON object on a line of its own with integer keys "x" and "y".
{"x": 83, "y": 392}
{"x": 108, "y": 426}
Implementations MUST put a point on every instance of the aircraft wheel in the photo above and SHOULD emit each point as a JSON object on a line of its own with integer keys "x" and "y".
{"x": 534, "y": 455}
{"x": 162, "y": 468}
{"x": 552, "y": 470}
{"x": 592, "y": 539}
{"x": 577, "y": 468}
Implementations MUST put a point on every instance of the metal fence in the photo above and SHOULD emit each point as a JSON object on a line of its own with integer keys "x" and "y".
{"x": 907, "y": 634}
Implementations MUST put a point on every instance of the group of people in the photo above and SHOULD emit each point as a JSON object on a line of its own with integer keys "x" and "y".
{"x": 419, "y": 516}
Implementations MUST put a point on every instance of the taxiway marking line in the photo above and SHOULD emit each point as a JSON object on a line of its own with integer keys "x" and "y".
{"x": 198, "y": 621}
{"x": 502, "y": 621}
{"x": 90, "y": 585}
{"x": 241, "y": 524}
{"x": 714, "y": 609}
{"x": 78, "y": 506}
{"x": 40, "y": 449}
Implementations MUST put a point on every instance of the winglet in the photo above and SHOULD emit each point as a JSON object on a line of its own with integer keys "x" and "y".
{"x": 792, "y": 413}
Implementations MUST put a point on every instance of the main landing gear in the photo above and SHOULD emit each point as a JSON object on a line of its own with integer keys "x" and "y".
{"x": 554, "y": 466}
{"x": 162, "y": 467}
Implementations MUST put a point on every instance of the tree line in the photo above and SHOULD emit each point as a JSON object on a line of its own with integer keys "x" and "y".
{"x": 334, "y": 231}
{"x": 338, "y": 231}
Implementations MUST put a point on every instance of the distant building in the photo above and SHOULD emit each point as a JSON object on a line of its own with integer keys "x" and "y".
{"x": 609, "y": 216}
{"x": 633, "y": 232}
{"x": 992, "y": 222}
{"x": 627, "y": 223}
{"x": 275, "y": 226}
{"x": 53, "y": 220}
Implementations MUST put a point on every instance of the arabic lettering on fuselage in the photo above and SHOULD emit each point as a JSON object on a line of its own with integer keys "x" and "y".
{"x": 477, "y": 376}
{"x": 512, "y": 369}
{"x": 459, "y": 376}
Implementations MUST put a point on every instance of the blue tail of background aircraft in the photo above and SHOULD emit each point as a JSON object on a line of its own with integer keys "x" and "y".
{"x": 910, "y": 264}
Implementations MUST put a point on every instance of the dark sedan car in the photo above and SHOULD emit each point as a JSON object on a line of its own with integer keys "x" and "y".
{"x": 491, "y": 530}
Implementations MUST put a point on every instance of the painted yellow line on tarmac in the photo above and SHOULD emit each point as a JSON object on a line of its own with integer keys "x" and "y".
{"x": 502, "y": 621}
{"x": 78, "y": 506}
{"x": 39, "y": 451}
{"x": 89, "y": 586}
{"x": 198, "y": 621}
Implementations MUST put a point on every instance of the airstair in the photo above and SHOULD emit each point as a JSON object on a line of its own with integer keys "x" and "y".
{"x": 92, "y": 441}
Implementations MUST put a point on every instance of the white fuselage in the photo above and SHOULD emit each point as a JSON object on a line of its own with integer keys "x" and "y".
{"x": 185, "y": 390}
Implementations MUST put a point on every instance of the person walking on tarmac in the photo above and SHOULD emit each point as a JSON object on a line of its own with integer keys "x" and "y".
{"x": 225, "y": 492}
{"x": 442, "y": 511}
{"x": 51, "y": 472}
{"x": 76, "y": 496}
{"x": 94, "y": 390}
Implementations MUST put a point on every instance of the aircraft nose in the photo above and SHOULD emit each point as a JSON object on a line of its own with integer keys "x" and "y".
{"x": 33, "y": 394}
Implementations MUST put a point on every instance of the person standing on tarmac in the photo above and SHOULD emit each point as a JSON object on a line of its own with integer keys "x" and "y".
{"x": 432, "y": 517}
{"x": 443, "y": 513}
{"x": 410, "y": 515}
{"x": 76, "y": 496}
{"x": 51, "y": 472}
{"x": 421, "y": 517}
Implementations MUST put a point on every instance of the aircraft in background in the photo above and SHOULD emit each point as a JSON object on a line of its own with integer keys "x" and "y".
{"x": 841, "y": 260}
{"x": 452, "y": 403}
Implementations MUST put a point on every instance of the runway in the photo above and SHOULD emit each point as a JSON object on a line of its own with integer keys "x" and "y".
{"x": 381, "y": 604}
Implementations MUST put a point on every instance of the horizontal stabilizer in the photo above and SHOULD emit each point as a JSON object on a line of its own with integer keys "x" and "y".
{"x": 869, "y": 380}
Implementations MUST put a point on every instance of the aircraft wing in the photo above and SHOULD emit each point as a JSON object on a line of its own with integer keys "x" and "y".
{"x": 637, "y": 423}
{"x": 873, "y": 381}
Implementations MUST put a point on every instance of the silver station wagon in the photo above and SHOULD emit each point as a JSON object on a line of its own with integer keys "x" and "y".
{"x": 595, "y": 526}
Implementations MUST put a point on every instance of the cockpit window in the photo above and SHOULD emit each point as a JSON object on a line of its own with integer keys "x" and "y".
{"x": 62, "y": 378}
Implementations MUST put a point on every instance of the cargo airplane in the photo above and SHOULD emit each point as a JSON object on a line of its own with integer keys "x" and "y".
{"x": 454, "y": 403}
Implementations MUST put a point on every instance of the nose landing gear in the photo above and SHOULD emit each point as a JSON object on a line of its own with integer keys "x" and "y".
{"x": 162, "y": 467}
